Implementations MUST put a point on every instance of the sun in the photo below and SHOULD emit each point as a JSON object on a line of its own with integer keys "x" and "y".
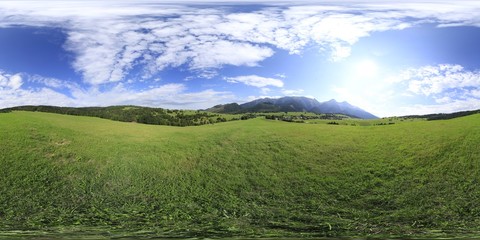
{"x": 366, "y": 69}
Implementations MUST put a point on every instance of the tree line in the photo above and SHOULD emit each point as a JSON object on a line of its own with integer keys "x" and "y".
{"x": 146, "y": 115}
{"x": 444, "y": 116}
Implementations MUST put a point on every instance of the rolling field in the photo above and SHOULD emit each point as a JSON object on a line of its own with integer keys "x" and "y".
{"x": 249, "y": 178}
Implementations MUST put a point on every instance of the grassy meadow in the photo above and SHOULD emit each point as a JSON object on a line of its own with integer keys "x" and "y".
{"x": 250, "y": 178}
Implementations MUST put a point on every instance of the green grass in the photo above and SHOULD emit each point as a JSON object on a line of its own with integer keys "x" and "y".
{"x": 212, "y": 116}
{"x": 243, "y": 178}
{"x": 366, "y": 122}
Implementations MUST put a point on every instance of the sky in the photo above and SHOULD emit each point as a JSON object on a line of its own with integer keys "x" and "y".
{"x": 390, "y": 59}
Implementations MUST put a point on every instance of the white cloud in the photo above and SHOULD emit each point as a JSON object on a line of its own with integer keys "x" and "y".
{"x": 118, "y": 47}
{"x": 10, "y": 82}
{"x": 451, "y": 87}
{"x": 43, "y": 96}
{"x": 433, "y": 80}
{"x": 48, "y": 81}
{"x": 443, "y": 100}
{"x": 172, "y": 95}
{"x": 256, "y": 81}
{"x": 447, "y": 107}
{"x": 291, "y": 92}
{"x": 475, "y": 93}
{"x": 111, "y": 38}
{"x": 424, "y": 90}
{"x": 216, "y": 54}
{"x": 15, "y": 81}
{"x": 12, "y": 93}
{"x": 265, "y": 90}
{"x": 24, "y": 89}
{"x": 251, "y": 98}
{"x": 166, "y": 96}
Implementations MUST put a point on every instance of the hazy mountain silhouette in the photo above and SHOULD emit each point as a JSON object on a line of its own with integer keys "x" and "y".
{"x": 293, "y": 104}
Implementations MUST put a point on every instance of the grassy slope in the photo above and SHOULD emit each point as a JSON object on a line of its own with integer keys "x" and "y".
{"x": 254, "y": 177}
{"x": 364, "y": 122}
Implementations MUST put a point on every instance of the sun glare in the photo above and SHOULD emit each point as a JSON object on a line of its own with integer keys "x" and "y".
{"x": 366, "y": 69}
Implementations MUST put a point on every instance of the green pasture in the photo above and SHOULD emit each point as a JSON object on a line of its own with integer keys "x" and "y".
{"x": 251, "y": 178}
{"x": 365, "y": 122}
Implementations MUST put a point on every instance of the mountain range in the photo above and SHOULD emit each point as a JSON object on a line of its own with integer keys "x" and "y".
{"x": 294, "y": 104}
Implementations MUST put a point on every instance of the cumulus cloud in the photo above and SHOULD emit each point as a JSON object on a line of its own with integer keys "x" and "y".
{"x": 450, "y": 86}
{"x": 42, "y": 96}
{"x": 256, "y": 81}
{"x": 446, "y": 107}
{"x": 438, "y": 79}
{"x": 111, "y": 38}
{"x": 423, "y": 90}
{"x": 15, "y": 81}
{"x": 47, "y": 92}
{"x": 171, "y": 95}
{"x": 213, "y": 55}
{"x": 11, "y": 82}
{"x": 167, "y": 96}
{"x": 12, "y": 93}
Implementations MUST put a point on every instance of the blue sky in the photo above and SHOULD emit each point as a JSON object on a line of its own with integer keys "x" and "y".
{"x": 414, "y": 57}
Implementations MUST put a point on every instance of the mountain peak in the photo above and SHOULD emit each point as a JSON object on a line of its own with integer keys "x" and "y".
{"x": 295, "y": 104}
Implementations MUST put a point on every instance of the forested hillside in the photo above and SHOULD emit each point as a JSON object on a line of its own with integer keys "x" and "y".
{"x": 147, "y": 115}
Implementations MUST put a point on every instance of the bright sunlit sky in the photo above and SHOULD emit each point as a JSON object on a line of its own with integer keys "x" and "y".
{"x": 413, "y": 57}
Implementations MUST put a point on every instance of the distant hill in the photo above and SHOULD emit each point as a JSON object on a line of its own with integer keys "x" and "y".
{"x": 444, "y": 116}
{"x": 147, "y": 115}
{"x": 294, "y": 104}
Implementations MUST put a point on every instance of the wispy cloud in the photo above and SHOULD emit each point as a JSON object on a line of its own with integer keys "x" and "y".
{"x": 49, "y": 82}
{"x": 11, "y": 93}
{"x": 439, "y": 79}
{"x": 111, "y": 38}
{"x": 292, "y": 92}
{"x": 422, "y": 90}
{"x": 448, "y": 107}
{"x": 450, "y": 86}
{"x": 173, "y": 95}
{"x": 265, "y": 90}
{"x": 256, "y": 81}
